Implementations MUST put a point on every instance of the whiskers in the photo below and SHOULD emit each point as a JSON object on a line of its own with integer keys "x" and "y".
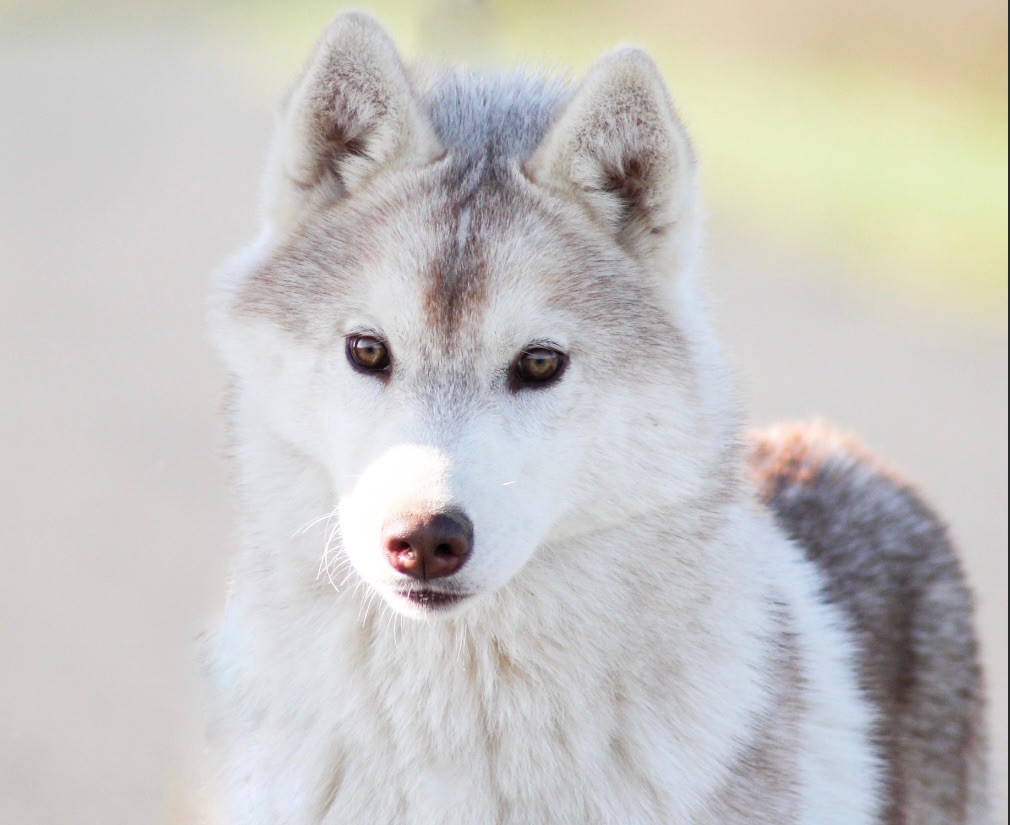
{"x": 336, "y": 568}
{"x": 301, "y": 531}
{"x": 333, "y": 563}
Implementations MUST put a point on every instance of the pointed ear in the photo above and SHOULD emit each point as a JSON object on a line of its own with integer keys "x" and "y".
{"x": 619, "y": 149}
{"x": 352, "y": 113}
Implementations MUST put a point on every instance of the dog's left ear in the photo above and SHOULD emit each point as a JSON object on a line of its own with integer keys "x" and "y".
{"x": 619, "y": 149}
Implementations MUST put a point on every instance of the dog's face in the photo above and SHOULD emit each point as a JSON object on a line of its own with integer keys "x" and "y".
{"x": 467, "y": 346}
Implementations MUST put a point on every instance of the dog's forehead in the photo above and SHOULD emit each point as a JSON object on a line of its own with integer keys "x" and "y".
{"x": 477, "y": 260}
{"x": 440, "y": 263}
{"x": 500, "y": 257}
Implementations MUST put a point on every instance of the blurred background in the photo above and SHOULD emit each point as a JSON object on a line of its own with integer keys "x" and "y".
{"x": 854, "y": 163}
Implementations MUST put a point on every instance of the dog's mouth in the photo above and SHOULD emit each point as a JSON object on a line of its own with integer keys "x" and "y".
{"x": 432, "y": 599}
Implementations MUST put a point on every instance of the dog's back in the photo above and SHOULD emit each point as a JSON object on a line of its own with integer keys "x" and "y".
{"x": 888, "y": 563}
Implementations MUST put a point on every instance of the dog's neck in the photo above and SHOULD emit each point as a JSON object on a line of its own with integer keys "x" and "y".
{"x": 685, "y": 627}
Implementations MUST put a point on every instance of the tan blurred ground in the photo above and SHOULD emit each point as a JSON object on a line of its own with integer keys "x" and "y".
{"x": 128, "y": 168}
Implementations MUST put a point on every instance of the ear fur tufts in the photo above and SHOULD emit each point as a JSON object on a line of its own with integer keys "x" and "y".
{"x": 352, "y": 113}
{"x": 618, "y": 147}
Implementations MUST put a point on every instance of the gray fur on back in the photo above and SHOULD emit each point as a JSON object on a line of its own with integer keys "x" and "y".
{"x": 888, "y": 563}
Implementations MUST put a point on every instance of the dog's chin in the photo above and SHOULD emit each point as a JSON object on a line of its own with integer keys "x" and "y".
{"x": 421, "y": 602}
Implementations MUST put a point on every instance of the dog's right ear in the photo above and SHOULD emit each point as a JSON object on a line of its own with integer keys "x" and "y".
{"x": 352, "y": 114}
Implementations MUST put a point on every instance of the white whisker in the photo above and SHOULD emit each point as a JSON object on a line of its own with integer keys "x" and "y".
{"x": 325, "y": 517}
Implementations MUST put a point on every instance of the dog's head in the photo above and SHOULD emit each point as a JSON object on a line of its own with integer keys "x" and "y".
{"x": 468, "y": 307}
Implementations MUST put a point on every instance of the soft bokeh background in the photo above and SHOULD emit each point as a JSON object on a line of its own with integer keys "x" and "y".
{"x": 855, "y": 169}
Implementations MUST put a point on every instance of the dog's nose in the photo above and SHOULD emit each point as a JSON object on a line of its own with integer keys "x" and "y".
{"x": 428, "y": 545}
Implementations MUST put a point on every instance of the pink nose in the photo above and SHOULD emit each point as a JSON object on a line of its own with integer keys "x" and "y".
{"x": 428, "y": 545}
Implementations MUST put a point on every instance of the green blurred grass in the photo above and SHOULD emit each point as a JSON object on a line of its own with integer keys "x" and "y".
{"x": 896, "y": 166}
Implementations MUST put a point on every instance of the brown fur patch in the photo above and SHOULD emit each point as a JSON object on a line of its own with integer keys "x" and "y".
{"x": 457, "y": 285}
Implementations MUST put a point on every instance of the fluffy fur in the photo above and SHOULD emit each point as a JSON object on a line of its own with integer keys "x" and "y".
{"x": 643, "y": 639}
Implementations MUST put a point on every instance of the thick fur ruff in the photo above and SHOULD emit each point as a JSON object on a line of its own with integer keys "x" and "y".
{"x": 656, "y": 620}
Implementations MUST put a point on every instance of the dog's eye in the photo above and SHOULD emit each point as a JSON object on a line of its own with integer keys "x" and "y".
{"x": 536, "y": 367}
{"x": 367, "y": 353}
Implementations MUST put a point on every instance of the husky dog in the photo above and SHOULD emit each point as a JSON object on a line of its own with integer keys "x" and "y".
{"x": 506, "y": 554}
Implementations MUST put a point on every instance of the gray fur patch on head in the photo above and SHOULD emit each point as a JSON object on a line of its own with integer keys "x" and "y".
{"x": 487, "y": 122}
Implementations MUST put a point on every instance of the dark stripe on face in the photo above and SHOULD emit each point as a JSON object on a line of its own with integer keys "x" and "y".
{"x": 455, "y": 291}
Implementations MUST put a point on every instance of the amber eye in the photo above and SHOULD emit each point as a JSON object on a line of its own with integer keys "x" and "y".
{"x": 537, "y": 367}
{"x": 367, "y": 353}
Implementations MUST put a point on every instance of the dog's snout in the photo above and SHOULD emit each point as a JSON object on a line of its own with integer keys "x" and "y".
{"x": 428, "y": 545}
